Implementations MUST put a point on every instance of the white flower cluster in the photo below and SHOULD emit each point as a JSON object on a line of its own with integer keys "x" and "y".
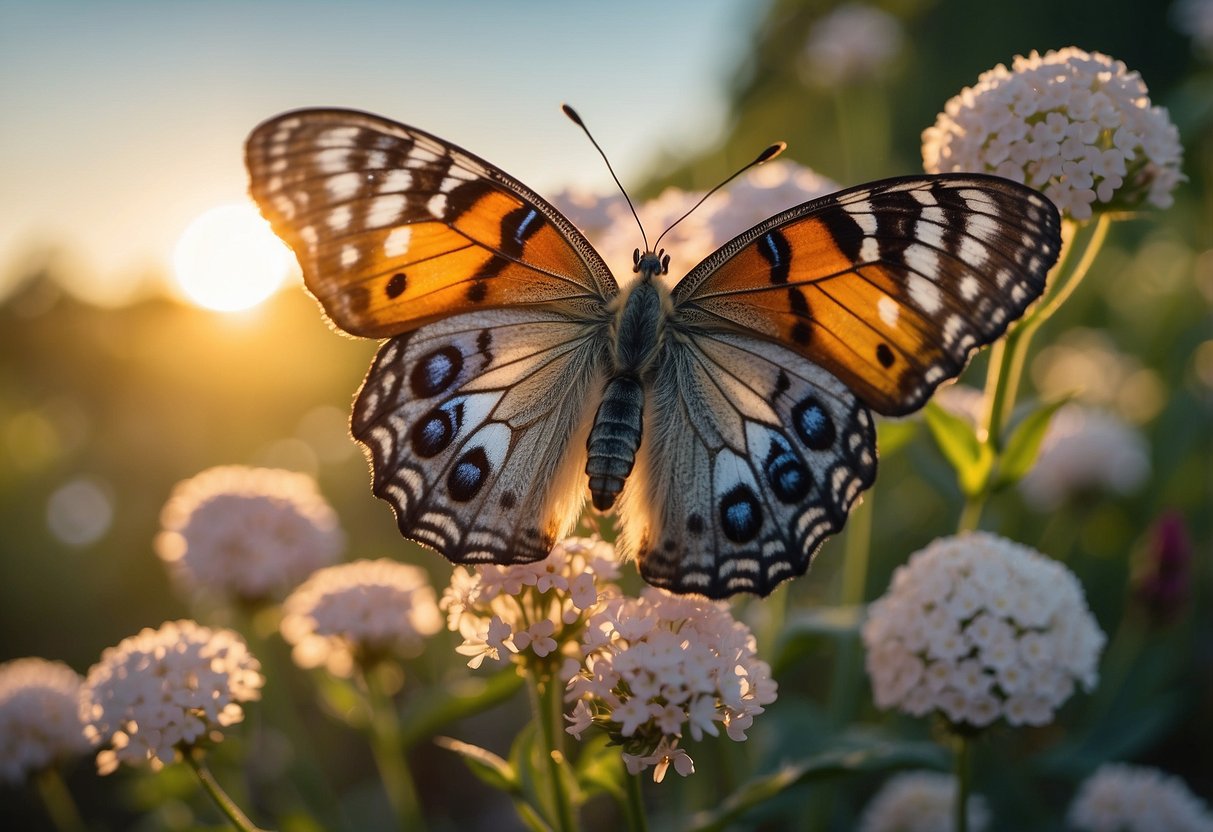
{"x": 530, "y": 610}
{"x": 659, "y": 666}
{"x": 756, "y": 195}
{"x": 247, "y": 533}
{"x": 167, "y": 688}
{"x": 1087, "y": 365}
{"x": 979, "y": 627}
{"x": 1123, "y": 798}
{"x": 1078, "y": 126}
{"x": 359, "y": 612}
{"x": 853, "y": 42}
{"x": 920, "y": 801}
{"x": 39, "y": 717}
{"x": 1085, "y": 449}
{"x": 1195, "y": 19}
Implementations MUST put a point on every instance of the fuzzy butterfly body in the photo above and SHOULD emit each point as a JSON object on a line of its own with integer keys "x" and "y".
{"x": 727, "y": 419}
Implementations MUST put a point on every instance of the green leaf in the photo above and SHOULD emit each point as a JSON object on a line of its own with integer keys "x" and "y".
{"x": 894, "y": 434}
{"x": 1023, "y": 445}
{"x": 971, "y": 458}
{"x": 483, "y": 763}
{"x": 854, "y": 755}
{"x": 599, "y": 768}
{"x": 428, "y": 713}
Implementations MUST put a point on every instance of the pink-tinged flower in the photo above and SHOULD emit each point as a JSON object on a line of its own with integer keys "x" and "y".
{"x": 359, "y": 612}
{"x": 529, "y": 611}
{"x": 1085, "y": 450}
{"x": 978, "y": 628}
{"x": 1078, "y": 126}
{"x": 39, "y": 717}
{"x": 852, "y": 43}
{"x": 920, "y": 801}
{"x": 661, "y": 666}
{"x": 248, "y": 534}
{"x": 1163, "y": 577}
{"x": 167, "y": 689}
{"x": 1123, "y": 798}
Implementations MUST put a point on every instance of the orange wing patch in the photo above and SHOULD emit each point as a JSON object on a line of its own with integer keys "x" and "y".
{"x": 890, "y": 287}
{"x": 394, "y": 228}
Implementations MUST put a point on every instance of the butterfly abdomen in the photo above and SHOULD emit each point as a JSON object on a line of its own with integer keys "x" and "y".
{"x": 614, "y": 439}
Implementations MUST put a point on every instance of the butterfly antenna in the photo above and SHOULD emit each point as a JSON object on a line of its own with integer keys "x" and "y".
{"x": 765, "y": 156}
{"x": 576, "y": 119}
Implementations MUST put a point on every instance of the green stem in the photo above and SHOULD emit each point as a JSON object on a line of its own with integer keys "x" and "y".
{"x": 388, "y": 750}
{"x": 634, "y": 813}
{"x": 857, "y": 552}
{"x": 226, "y": 805}
{"x": 1008, "y": 357}
{"x": 58, "y": 801}
{"x": 546, "y": 705}
{"x": 963, "y": 770}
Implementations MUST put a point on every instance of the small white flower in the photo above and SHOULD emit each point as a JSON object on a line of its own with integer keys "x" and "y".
{"x": 1011, "y": 648}
{"x": 247, "y": 533}
{"x": 687, "y": 667}
{"x": 853, "y": 42}
{"x": 1124, "y": 798}
{"x": 163, "y": 689}
{"x": 1078, "y": 126}
{"x": 39, "y": 717}
{"x": 529, "y": 611}
{"x": 360, "y": 610}
{"x": 920, "y": 801}
{"x": 1085, "y": 449}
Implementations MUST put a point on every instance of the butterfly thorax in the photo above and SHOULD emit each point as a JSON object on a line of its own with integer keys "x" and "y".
{"x": 638, "y": 329}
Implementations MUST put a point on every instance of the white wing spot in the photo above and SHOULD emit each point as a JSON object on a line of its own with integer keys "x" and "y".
{"x": 284, "y": 206}
{"x": 349, "y": 255}
{"x": 977, "y": 199}
{"x": 889, "y": 309}
{"x": 395, "y": 181}
{"x": 951, "y": 329}
{"x": 982, "y": 227}
{"x": 861, "y": 212}
{"x": 375, "y": 160}
{"x": 339, "y": 218}
{"x": 343, "y": 186}
{"x": 1003, "y": 278}
{"x": 935, "y": 214}
{"x": 924, "y": 196}
{"x": 924, "y": 293}
{"x": 923, "y": 260}
{"x": 397, "y": 242}
{"x": 929, "y": 233}
{"x": 386, "y": 210}
{"x": 969, "y": 287}
{"x": 973, "y": 252}
{"x": 437, "y": 205}
{"x": 448, "y": 184}
{"x": 308, "y": 235}
{"x": 869, "y": 252}
{"x": 333, "y": 160}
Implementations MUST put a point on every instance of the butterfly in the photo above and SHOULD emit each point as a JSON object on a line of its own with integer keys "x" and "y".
{"x": 727, "y": 420}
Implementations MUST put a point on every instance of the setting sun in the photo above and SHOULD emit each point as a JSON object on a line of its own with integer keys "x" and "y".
{"x": 228, "y": 259}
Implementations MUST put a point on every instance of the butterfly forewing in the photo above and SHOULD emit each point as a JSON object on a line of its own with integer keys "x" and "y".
{"x": 752, "y": 456}
{"x": 394, "y": 227}
{"x": 476, "y": 427}
{"x": 890, "y": 286}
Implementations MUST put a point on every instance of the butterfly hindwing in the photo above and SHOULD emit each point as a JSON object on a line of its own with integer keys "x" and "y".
{"x": 476, "y": 428}
{"x": 752, "y": 456}
{"x": 394, "y": 227}
{"x": 889, "y": 286}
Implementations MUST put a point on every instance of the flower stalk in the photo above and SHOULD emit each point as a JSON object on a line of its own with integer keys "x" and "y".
{"x": 226, "y": 805}
{"x": 963, "y": 765}
{"x": 546, "y": 704}
{"x": 58, "y": 801}
{"x": 388, "y": 750}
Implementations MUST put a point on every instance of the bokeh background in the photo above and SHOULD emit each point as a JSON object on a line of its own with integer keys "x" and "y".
{"x": 122, "y": 122}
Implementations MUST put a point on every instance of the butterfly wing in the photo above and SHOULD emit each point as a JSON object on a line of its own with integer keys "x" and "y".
{"x": 889, "y": 286}
{"x": 394, "y": 227}
{"x": 752, "y": 456}
{"x": 476, "y": 427}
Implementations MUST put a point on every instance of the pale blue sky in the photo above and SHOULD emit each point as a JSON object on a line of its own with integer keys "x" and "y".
{"x": 124, "y": 120}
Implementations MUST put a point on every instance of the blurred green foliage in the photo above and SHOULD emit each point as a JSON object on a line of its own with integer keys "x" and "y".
{"x": 137, "y": 398}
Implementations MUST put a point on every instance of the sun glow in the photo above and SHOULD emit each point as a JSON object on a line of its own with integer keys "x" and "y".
{"x": 228, "y": 259}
